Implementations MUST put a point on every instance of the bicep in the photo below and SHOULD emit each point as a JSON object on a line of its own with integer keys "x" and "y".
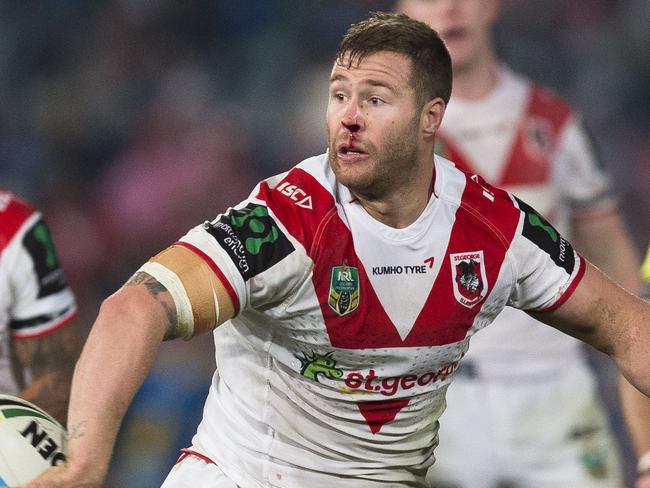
{"x": 193, "y": 296}
{"x": 599, "y": 312}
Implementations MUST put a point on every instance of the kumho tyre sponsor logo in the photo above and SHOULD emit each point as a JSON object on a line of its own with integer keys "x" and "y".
{"x": 359, "y": 383}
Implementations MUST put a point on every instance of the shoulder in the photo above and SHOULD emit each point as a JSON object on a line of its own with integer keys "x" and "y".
{"x": 301, "y": 198}
{"x": 14, "y": 213}
{"x": 481, "y": 206}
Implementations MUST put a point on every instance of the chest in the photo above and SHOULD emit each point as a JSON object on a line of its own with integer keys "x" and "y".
{"x": 422, "y": 289}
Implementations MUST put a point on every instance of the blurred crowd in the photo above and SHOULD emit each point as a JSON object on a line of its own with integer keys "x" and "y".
{"x": 130, "y": 121}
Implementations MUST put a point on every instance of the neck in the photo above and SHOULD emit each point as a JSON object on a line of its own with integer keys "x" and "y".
{"x": 476, "y": 80}
{"x": 404, "y": 204}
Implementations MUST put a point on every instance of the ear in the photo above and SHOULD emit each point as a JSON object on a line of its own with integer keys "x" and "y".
{"x": 432, "y": 114}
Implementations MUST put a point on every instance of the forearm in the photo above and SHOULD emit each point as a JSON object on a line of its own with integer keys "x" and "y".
{"x": 115, "y": 361}
{"x": 50, "y": 361}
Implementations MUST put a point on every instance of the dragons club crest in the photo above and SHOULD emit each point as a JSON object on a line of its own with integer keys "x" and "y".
{"x": 468, "y": 277}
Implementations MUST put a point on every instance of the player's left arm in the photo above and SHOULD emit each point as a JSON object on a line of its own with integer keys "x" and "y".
{"x": 604, "y": 315}
{"x": 50, "y": 360}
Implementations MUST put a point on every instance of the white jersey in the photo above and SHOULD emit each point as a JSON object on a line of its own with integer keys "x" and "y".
{"x": 528, "y": 141}
{"x": 34, "y": 298}
{"x": 348, "y": 332}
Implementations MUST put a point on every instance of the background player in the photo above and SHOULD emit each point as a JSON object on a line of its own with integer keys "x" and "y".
{"x": 39, "y": 338}
{"x": 320, "y": 335}
{"x": 503, "y": 408}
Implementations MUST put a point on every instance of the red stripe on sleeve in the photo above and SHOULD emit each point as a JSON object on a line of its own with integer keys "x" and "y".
{"x": 37, "y": 335}
{"x": 569, "y": 291}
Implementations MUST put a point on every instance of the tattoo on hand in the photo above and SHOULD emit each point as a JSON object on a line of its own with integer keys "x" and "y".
{"x": 76, "y": 431}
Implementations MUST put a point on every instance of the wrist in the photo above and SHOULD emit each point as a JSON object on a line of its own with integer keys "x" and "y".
{"x": 643, "y": 464}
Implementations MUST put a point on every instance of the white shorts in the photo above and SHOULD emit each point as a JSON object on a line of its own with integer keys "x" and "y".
{"x": 194, "y": 471}
{"x": 535, "y": 434}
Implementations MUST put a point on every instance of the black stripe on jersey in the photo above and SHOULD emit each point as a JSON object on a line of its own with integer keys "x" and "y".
{"x": 251, "y": 238}
{"x": 36, "y": 321}
{"x": 38, "y": 243}
{"x": 547, "y": 238}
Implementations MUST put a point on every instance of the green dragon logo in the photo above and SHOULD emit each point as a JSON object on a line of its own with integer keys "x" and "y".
{"x": 314, "y": 364}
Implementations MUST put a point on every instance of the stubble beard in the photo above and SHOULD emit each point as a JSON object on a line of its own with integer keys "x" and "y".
{"x": 392, "y": 165}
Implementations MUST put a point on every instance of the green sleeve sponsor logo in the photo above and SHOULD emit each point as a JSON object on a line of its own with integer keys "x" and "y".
{"x": 251, "y": 238}
{"x": 536, "y": 221}
{"x": 254, "y": 221}
{"x": 40, "y": 246}
{"x": 547, "y": 238}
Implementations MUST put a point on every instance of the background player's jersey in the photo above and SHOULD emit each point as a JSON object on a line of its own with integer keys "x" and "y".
{"x": 645, "y": 274}
{"x": 528, "y": 141}
{"x": 347, "y": 332}
{"x": 34, "y": 298}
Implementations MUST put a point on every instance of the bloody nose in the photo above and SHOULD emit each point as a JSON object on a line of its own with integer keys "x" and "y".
{"x": 351, "y": 126}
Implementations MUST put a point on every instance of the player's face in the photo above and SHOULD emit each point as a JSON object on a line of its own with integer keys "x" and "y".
{"x": 464, "y": 25}
{"x": 372, "y": 123}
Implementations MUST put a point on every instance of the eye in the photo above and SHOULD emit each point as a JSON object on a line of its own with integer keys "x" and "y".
{"x": 338, "y": 96}
{"x": 375, "y": 101}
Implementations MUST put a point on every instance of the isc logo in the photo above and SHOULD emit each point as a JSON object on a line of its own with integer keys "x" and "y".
{"x": 296, "y": 194}
{"x": 46, "y": 446}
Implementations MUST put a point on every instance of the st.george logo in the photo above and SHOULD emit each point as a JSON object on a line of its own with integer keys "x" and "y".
{"x": 344, "y": 289}
{"x": 469, "y": 279}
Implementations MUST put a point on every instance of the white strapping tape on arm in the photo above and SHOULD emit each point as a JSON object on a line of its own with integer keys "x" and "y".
{"x": 184, "y": 317}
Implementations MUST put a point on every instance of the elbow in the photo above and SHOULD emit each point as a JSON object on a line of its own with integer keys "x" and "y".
{"x": 128, "y": 312}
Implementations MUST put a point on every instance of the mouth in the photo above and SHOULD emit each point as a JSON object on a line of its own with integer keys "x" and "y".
{"x": 350, "y": 152}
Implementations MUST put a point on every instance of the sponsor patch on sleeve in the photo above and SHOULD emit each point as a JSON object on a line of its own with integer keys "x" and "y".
{"x": 251, "y": 238}
{"x": 547, "y": 238}
{"x": 40, "y": 246}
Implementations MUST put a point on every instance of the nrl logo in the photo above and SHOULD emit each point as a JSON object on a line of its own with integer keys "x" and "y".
{"x": 468, "y": 275}
{"x": 344, "y": 290}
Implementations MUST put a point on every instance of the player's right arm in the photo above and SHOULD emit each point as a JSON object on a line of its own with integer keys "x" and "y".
{"x": 121, "y": 349}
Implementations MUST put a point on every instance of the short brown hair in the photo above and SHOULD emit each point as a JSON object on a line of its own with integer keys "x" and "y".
{"x": 396, "y": 32}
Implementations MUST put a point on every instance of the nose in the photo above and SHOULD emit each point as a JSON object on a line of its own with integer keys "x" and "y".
{"x": 352, "y": 119}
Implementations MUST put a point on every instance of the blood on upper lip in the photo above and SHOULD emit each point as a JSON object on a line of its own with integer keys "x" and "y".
{"x": 351, "y": 144}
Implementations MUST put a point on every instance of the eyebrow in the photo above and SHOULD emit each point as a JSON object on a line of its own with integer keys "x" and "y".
{"x": 371, "y": 82}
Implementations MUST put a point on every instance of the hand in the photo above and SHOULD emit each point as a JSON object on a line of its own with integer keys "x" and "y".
{"x": 643, "y": 481}
{"x": 62, "y": 477}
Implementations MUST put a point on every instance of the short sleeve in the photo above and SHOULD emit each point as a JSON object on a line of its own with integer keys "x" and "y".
{"x": 41, "y": 299}
{"x": 251, "y": 252}
{"x": 547, "y": 268}
{"x": 581, "y": 176}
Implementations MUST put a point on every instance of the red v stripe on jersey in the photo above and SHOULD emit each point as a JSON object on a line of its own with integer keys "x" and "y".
{"x": 536, "y": 139}
{"x": 529, "y": 158}
{"x": 481, "y": 224}
{"x": 377, "y": 414}
{"x": 442, "y": 320}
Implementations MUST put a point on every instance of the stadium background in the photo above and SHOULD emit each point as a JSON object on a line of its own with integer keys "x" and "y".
{"x": 130, "y": 121}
